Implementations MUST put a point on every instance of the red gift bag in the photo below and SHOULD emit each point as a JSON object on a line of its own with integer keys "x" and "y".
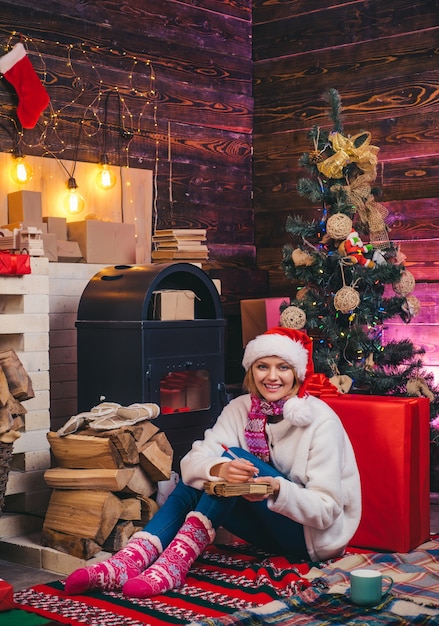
{"x": 390, "y": 437}
{"x": 14, "y": 264}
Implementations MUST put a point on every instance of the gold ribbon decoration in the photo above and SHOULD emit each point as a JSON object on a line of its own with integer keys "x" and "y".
{"x": 345, "y": 152}
{"x": 370, "y": 212}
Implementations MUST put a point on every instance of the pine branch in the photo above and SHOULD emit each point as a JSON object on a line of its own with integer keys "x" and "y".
{"x": 334, "y": 101}
{"x": 310, "y": 189}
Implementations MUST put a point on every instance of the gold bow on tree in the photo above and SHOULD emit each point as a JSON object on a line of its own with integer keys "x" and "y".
{"x": 365, "y": 155}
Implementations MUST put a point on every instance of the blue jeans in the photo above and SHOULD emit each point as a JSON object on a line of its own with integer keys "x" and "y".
{"x": 251, "y": 521}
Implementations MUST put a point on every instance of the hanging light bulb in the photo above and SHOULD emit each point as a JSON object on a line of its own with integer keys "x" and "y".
{"x": 73, "y": 202}
{"x": 105, "y": 178}
{"x": 21, "y": 171}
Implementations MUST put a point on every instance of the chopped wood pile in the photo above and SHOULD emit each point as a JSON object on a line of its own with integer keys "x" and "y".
{"x": 105, "y": 479}
{"x": 15, "y": 387}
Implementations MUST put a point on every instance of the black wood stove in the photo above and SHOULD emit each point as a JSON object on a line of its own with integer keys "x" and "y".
{"x": 126, "y": 355}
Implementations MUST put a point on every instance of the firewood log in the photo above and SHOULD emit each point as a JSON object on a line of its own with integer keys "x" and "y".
{"x": 85, "y": 513}
{"x": 119, "y": 536}
{"x": 82, "y": 452}
{"x": 156, "y": 457}
{"x": 105, "y": 479}
{"x": 81, "y": 547}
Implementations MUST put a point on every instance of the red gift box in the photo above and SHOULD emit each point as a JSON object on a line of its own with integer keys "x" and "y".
{"x": 390, "y": 437}
{"x": 6, "y": 596}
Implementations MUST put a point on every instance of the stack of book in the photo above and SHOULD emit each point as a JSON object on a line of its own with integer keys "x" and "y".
{"x": 182, "y": 244}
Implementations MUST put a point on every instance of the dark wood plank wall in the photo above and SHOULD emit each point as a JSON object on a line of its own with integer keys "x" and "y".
{"x": 201, "y": 55}
{"x": 382, "y": 57}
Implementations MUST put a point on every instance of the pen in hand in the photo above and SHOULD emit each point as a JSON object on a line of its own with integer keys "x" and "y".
{"x": 232, "y": 454}
{"x": 235, "y": 456}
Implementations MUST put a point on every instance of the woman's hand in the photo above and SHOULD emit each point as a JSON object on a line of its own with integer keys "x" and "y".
{"x": 264, "y": 479}
{"x": 235, "y": 471}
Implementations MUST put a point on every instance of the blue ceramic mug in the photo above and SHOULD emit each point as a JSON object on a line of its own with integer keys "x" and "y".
{"x": 367, "y": 587}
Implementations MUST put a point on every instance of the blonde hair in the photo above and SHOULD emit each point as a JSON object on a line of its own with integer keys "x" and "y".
{"x": 249, "y": 385}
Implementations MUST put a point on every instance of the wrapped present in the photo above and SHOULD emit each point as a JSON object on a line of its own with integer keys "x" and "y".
{"x": 390, "y": 437}
{"x": 173, "y": 304}
{"x": 258, "y": 315}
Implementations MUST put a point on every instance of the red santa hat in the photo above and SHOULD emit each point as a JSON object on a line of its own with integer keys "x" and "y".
{"x": 290, "y": 344}
{"x": 295, "y": 347}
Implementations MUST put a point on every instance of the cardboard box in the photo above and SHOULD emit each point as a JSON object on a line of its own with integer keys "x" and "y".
{"x": 50, "y": 247}
{"x": 57, "y": 226}
{"x": 25, "y": 225}
{"x": 68, "y": 251}
{"x": 258, "y": 315}
{"x": 104, "y": 242}
{"x": 173, "y": 304}
{"x": 25, "y": 206}
{"x": 390, "y": 437}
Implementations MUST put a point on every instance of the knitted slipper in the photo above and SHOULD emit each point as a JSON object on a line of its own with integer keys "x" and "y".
{"x": 76, "y": 422}
{"x": 144, "y": 411}
{"x": 126, "y": 416}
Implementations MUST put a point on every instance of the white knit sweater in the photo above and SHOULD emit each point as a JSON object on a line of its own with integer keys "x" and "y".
{"x": 322, "y": 485}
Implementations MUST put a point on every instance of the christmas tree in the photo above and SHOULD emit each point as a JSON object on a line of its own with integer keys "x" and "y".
{"x": 348, "y": 276}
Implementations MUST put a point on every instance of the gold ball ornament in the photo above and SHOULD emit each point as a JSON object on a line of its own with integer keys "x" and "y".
{"x": 346, "y": 299}
{"x": 293, "y": 317}
{"x": 339, "y": 226}
{"x": 405, "y": 285}
{"x": 300, "y": 257}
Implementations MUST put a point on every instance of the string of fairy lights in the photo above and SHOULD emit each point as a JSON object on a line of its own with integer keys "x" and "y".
{"x": 136, "y": 103}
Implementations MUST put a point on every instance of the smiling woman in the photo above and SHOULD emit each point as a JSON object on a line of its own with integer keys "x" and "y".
{"x": 277, "y": 435}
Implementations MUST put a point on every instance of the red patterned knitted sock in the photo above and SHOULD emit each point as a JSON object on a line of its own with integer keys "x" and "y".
{"x": 170, "y": 570}
{"x": 141, "y": 550}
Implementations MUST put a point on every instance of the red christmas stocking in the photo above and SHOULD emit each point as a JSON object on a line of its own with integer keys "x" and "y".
{"x": 32, "y": 96}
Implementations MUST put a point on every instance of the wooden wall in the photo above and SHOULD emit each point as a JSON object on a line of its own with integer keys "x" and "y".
{"x": 173, "y": 78}
{"x": 167, "y": 86}
{"x": 382, "y": 57}
{"x": 97, "y": 58}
